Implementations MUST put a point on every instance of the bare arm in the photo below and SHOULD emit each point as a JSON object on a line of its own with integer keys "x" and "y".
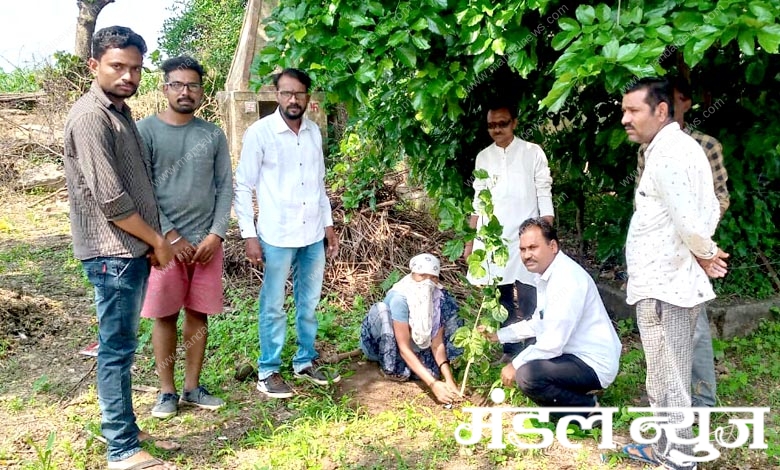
{"x": 137, "y": 227}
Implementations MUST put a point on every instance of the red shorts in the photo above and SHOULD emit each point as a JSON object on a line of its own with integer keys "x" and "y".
{"x": 196, "y": 287}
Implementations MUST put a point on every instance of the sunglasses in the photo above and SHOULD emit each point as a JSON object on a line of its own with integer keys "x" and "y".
{"x": 499, "y": 124}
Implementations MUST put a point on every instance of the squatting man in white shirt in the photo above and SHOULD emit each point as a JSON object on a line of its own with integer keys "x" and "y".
{"x": 577, "y": 350}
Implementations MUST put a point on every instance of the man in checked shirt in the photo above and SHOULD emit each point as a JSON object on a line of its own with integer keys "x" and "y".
{"x": 703, "y": 370}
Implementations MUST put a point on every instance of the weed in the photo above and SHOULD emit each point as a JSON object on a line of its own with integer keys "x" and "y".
{"x": 41, "y": 384}
{"x": 44, "y": 454}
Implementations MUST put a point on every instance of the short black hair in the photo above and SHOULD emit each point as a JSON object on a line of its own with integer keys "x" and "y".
{"x": 496, "y": 103}
{"x": 118, "y": 37}
{"x": 659, "y": 90}
{"x": 297, "y": 74}
{"x": 548, "y": 231}
{"x": 182, "y": 62}
{"x": 683, "y": 86}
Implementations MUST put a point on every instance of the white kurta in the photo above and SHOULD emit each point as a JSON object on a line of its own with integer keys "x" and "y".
{"x": 676, "y": 215}
{"x": 520, "y": 184}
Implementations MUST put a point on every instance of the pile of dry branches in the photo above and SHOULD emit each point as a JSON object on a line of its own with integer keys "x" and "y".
{"x": 372, "y": 245}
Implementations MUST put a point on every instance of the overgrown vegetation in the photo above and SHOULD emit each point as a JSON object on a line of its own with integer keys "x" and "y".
{"x": 414, "y": 78}
{"x": 18, "y": 81}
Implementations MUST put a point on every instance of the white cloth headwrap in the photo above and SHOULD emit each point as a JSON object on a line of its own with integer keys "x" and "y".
{"x": 425, "y": 263}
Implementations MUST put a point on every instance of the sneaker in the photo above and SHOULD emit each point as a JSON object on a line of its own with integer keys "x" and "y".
{"x": 274, "y": 386}
{"x": 167, "y": 405}
{"x": 201, "y": 398}
{"x": 315, "y": 374}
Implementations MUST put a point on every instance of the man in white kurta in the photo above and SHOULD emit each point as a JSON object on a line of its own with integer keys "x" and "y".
{"x": 521, "y": 187}
{"x": 669, "y": 255}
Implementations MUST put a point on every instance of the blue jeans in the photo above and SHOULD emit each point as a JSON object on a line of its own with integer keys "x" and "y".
{"x": 120, "y": 285}
{"x": 308, "y": 266}
{"x": 703, "y": 370}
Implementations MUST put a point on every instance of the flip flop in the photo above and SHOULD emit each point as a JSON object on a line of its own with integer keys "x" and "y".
{"x": 640, "y": 454}
{"x": 136, "y": 466}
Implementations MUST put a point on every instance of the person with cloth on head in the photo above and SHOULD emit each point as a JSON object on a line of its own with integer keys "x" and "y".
{"x": 410, "y": 333}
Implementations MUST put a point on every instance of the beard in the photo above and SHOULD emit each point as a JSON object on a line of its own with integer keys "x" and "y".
{"x": 293, "y": 112}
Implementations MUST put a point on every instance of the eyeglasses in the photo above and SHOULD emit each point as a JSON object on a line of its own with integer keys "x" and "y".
{"x": 179, "y": 86}
{"x": 299, "y": 95}
{"x": 499, "y": 124}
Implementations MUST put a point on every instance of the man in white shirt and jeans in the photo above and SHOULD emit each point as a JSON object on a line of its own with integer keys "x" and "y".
{"x": 282, "y": 162}
{"x": 669, "y": 254}
{"x": 577, "y": 349}
{"x": 521, "y": 187}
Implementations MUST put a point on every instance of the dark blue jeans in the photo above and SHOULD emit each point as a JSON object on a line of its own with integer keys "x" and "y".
{"x": 120, "y": 285}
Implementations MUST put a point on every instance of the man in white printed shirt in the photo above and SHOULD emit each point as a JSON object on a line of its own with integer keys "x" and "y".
{"x": 577, "y": 349}
{"x": 521, "y": 187}
{"x": 669, "y": 254}
{"x": 282, "y": 161}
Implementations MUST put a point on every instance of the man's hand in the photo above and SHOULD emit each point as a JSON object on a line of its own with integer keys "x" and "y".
{"x": 492, "y": 337}
{"x": 508, "y": 375}
{"x": 254, "y": 253}
{"x": 333, "y": 242}
{"x": 715, "y": 267}
{"x": 182, "y": 249}
{"x": 162, "y": 254}
{"x": 205, "y": 250}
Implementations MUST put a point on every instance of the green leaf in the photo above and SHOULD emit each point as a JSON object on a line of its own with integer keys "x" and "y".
{"x": 728, "y": 35}
{"x": 585, "y": 14}
{"x": 746, "y": 42}
{"x": 611, "y": 49}
{"x": 754, "y": 72}
{"x": 627, "y": 52}
{"x": 398, "y": 37}
{"x": 407, "y": 56}
{"x": 563, "y": 39}
{"x": 498, "y": 46}
{"x": 687, "y": 21}
{"x": 366, "y": 73}
{"x": 699, "y": 48}
{"x": 480, "y": 173}
{"x": 441, "y": 4}
{"x": 499, "y": 313}
{"x": 769, "y": 38}
{"x": 762, "y": 12}
{"x": 299, "y": 34}
{"x": 665, "y": 33}
{"x": 557, "y": 96}
{"x": 462, "y": 336}
{"x": 453, "y": 249}
{"x": 568, "y": 24}
{"x": 420, "y": 42}
{"x": 603, "y": 12}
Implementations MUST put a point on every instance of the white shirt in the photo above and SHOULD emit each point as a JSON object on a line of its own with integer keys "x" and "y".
{"x": 521, "y": 187}
{"x": 570, "y": 318}
{"x": 287, "y": 171}
{"x": 676, "y": 215}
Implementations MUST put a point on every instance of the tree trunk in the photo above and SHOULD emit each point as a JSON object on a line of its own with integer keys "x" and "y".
{"x": 85, "y": 25}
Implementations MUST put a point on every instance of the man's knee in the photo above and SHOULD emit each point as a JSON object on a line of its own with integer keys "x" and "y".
{"x": 530, "y": 379}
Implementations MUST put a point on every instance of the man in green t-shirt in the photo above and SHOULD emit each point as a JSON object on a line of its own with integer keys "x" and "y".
{"x": 192, "y": 179}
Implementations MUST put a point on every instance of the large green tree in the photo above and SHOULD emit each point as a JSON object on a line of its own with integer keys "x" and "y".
{"x": 414, "y": 76}
{"x": 207, "y": 30}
